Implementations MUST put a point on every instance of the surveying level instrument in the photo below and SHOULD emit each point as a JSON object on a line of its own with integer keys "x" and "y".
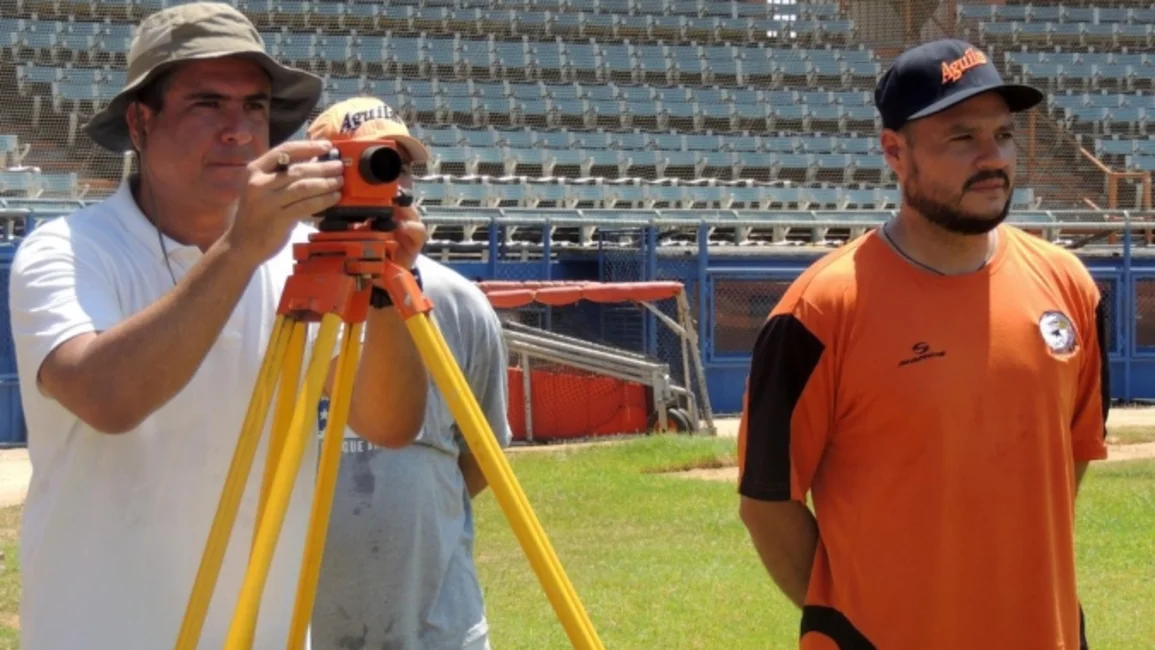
{"x": 332, "y": 284}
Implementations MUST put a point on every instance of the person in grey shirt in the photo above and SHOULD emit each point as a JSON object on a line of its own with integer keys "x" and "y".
{"x": 397, "y": 571}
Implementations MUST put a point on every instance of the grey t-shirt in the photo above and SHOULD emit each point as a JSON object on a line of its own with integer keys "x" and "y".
{"x": 397, "y": 572}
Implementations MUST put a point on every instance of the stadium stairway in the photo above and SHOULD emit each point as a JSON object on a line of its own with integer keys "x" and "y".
{"x": 1096, "y": 60}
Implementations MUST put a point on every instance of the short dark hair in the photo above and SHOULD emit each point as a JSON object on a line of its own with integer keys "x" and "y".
{"x": 152, "y": 93}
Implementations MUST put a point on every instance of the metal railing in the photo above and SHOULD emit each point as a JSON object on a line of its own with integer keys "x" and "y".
{"x": 701, "y": 249}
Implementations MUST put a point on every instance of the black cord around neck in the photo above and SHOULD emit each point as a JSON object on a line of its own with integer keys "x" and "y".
{"x": 151, "y": 219}
{"x": 885, "y": 231}
{"x": 164, "y": 252}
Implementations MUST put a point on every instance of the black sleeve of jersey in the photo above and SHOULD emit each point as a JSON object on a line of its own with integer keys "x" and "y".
{"x": 784, "y": 357}
{"x": 1104, "y": 360}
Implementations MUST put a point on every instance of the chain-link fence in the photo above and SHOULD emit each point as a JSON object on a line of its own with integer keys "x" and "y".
{"x": 669, "y": 345}
{"x": 1108, "y": 292}
{"x": 1145, "y": 313}
{"x": 740, "y": 309}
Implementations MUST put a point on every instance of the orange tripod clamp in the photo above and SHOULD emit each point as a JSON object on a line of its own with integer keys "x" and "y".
{"x": 335, "y": 273}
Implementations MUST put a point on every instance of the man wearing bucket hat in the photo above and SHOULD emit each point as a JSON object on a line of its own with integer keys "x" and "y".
{"x": 937, "y": 387}
{"x": 398, "y": 570}
{"x": 140, "y": 324}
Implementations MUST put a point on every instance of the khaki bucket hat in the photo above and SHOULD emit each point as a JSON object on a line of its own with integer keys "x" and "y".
{"x": 198, "y": 31}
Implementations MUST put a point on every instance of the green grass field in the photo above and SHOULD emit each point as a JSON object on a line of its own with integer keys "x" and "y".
{"x": 663, "y": 562}
{"x": 9, "y": 578}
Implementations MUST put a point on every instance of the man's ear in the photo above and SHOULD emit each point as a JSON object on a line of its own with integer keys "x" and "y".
{"x": 136, "y": 116}
{"x": 894, "y": 150}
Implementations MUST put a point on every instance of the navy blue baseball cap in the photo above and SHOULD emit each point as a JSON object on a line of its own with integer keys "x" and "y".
{"x": 934, "y": 76}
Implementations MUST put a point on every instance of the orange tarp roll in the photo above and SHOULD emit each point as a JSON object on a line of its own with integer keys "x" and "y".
{"x": 571, "y": 405}
{"x": 567, "y": 404}
{"x": 507, "y": 295}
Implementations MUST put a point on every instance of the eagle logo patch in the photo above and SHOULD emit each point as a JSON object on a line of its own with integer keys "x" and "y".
{"x": 1058, "y": 332}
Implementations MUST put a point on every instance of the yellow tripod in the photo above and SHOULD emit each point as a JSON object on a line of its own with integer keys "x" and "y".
{"x": 331, "y": 284}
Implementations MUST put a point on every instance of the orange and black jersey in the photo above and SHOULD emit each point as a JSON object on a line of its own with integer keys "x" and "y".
{"x": 935, "y": 421}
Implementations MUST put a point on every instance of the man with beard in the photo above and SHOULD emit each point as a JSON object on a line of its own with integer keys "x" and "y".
{"x": 937, "y": 387}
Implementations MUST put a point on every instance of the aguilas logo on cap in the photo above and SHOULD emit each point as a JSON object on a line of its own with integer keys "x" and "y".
{"x": 953, "y": 71}
{"x": 354, "y": 119}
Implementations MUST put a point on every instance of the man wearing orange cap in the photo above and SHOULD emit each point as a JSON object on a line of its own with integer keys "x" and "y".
{"x": 398, "y": 568}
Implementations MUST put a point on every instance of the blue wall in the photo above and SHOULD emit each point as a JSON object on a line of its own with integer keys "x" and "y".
{"x": 11, "y": 414}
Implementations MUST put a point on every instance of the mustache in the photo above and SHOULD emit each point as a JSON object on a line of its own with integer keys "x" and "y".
{"x": 986, "y": 176}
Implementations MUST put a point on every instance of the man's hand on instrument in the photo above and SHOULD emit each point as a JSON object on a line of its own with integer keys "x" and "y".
{"x": 411, "y": 236}
{"x": 286, "y": 186}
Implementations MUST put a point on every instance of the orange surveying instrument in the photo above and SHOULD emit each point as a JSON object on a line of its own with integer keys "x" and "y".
{"x": 332, "y": 284}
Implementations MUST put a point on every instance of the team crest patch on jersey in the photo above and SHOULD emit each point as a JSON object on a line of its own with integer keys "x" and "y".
{"x": 1058, "y": 332}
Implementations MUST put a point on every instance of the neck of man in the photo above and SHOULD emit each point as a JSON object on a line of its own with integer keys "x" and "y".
{"x": 192, "y": 224}
{"x": 933, "y": 246}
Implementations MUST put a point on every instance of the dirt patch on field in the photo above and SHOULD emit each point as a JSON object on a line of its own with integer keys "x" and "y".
{"x": 711, "y": 464}
{"x": 571, "y": 445}
{"x": 15, "y": 473}
{"x": 1132, "y": 452}
{"x": 1131, "y": 416}
{"x": 729, "y": 474}
{"x": 1124, "y": 417}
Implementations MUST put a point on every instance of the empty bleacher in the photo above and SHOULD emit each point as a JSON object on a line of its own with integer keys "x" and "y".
{"x": 668, "y": 103}
{"x": 17, "y": 179}
{"x": 661, "y": 94}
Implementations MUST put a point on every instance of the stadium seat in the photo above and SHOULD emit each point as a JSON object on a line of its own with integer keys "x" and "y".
{"x": 12, "y": 151}
{"x": 626, "y": 91}
{"x": 19, "y": 183}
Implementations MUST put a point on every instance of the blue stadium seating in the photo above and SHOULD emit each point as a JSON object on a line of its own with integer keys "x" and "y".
{"x": 776, "y": 97}
{"x": 580, "y": 89}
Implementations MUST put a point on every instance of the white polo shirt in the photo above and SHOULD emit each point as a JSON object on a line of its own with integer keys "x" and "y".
{"x": 115, "y": 525}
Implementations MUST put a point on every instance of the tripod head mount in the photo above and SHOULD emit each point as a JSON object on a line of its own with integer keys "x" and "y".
{"x": 335, "y": 272}
{"x": 377, "y": 218}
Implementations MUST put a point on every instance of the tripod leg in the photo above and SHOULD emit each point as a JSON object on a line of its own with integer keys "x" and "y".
{"x": 283, "y": 412}
{"x": 244, "y": 623}
{"x": 234, "y": 489}
{"x": 462, "y": 403}
{"x": 326, "y": 484}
